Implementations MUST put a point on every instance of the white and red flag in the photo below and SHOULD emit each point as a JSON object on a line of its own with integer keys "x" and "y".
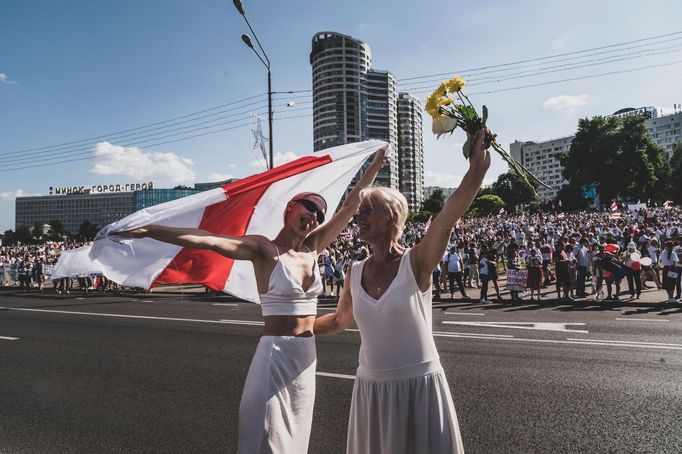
{"x": 560, "y": 216}
{"x": 251, "y": 206}
{"x": 615, "y": 215}
{"x": 428, "y": 224}
{"x": 614, "y": 206}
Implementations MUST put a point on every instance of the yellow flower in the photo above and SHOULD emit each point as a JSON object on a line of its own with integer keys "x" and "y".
{"x": 433, "y": 105}
{"x": 455, "y": 84}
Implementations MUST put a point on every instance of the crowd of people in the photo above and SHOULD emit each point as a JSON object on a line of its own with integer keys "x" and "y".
{"x": 29, "y": 268}
{"x": 564, "y": 252}
{"x": 578, "y": 255}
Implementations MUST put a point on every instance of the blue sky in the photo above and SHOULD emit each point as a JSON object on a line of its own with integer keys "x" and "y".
{"x": 72, "y": 70}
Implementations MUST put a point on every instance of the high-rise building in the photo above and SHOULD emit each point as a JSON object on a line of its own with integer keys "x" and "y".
{"x": 410, "y": 150}
{"x": 340, "y": 66}
{"x": 351, "y": 101}
{"x": 382, "y": 120}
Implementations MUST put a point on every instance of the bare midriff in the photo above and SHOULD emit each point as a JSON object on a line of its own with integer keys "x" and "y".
{"x": 288, "y": 325}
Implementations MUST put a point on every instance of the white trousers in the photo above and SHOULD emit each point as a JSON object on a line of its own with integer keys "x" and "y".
{"x": 276, "y": 410}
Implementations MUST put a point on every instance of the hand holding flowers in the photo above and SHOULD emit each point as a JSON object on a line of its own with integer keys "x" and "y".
{"x": 448, "y": 113}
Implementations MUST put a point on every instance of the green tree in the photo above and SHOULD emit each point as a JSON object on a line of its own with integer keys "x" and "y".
{"x": 38, "y": 229}
{"x": 513, "y": 190}
{"x": 23, "y": 234}
{"x": 434, "y": 203}
{"x": 87, "y": 231}
{"x": 58, "y": 231}
{"x": 9, "y": 237}
{"x": 675, "y": 182}
{"x": 486, "y": 205}
{"x": 572, "y": 198}
{"x": 618, "y": 156}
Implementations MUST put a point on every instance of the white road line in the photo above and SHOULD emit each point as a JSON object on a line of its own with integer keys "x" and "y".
{"x": 465, "y": 313}
{"x": 147, "y": 301}
{"x": 142, "y": 317}
{"x": 326, "y": 308}
{"x": 9, "y": 338}
{"x": 448, "y": 334}
{"x": 626, "y": 342}
{"x": 329, "y": 374}
{"x": 540, "y": 326}
{"x": 641, "y": 320}
{"x": 226, "y": 304}
{"x": 242, "y": 322}
{"x": 601, "y": 344}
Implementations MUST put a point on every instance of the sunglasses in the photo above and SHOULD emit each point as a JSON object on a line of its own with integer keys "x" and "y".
{"x": 310, "y": 206}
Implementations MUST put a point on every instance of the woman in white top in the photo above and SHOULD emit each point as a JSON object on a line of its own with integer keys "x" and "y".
{"x": 401, "y": 400}
{"x": 276, "y": 411}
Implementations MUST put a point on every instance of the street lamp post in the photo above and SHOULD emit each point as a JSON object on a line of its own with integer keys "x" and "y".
{"x": 247, "y": 40}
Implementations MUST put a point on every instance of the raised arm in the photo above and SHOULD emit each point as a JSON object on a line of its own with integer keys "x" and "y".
{"x": 340, "y": 320}
{"x": 323, "y": 236}
{"x": 248, "y": 247}
{"x": 428, "y": 252}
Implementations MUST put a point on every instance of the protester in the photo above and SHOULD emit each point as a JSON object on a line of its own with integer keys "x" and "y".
{"x": 401, "y": 399}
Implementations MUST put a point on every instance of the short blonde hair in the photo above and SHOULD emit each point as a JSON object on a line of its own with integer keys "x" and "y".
{"x": 394, "y": 202}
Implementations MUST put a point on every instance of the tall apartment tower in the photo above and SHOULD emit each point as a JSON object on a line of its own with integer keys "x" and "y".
{"x": 411, "y": 150}
{"x": 352, "y": 102}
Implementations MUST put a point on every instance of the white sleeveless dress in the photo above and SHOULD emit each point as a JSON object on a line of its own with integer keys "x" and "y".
{"x": 276, "y": 410}
{"x": 401, "y": 400}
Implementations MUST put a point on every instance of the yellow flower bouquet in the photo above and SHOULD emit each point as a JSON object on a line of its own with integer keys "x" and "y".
{"x": 448, "y": 113}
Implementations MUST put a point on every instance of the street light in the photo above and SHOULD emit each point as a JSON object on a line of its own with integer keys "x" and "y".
{"x": 247, "y": 40}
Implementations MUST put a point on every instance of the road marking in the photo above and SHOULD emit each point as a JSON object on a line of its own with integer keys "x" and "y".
{"x": 327, "y": 308}
{"x": 448, "y": 334}
{"x": 575, "y": 342}
{"x": 465, "y": 313}
{"x": 242, "y": 322}
{"x": 329, "y": 374}
{"x": 9, "y": 338}
{"x": 626, "y": 342}
{"x": 147, "y": 301}
{"x": 522, "y": 325}
{"x": 142, "y": 317}
{"x": 226, "y": 304}
{"x": 641, "y": 320}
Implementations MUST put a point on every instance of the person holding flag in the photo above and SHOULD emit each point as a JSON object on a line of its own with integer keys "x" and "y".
{"x": 276, "y": 409}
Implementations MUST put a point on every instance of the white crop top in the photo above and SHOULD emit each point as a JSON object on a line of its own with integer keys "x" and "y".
{"x": 285, "y": 294}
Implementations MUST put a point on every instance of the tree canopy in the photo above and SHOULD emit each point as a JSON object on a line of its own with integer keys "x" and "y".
{"x": 619, "y": 157}
{"x": 513, "y": 190}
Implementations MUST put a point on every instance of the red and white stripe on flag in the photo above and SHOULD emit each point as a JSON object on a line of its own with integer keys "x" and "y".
{"x": 252, "y": 206}
{"x": 614, "y": 206}
{"x": 615, "y": 215}
{"x": 560, "y": 216}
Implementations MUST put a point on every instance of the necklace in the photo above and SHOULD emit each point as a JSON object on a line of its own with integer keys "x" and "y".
{"x": 379, "y": 284}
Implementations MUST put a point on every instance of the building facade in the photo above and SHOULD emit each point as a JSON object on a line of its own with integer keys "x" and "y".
{"x": 72, "y": 209}
{"x": 99, "y": 208}
{"x": 540, "y": 158}
{"x": 351, "y": 101}
{"x": 447, "y": 192}
{"x": 410, "y": 150}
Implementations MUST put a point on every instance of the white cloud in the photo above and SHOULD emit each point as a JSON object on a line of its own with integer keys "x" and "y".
{"x": 444, "y": 180}
{"x": 9, "y": 196}
{"x": 566, "y": 102}
{"x": 5, "y": 80}
{"x": 218, "y": 177}
{"x": 232, "y": 166}
{"x": 279, "y": 159}
{"x": 448, "y": 180}
{"x": 139, "y": 164}
{"x": 361, "y": 27}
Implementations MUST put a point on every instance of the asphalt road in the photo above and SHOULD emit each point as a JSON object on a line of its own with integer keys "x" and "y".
{"x": 163, "y": 374}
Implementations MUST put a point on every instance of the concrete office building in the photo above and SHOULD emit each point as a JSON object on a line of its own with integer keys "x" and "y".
{"x": 410, "y": 150}
{"x": 99, "y": 208}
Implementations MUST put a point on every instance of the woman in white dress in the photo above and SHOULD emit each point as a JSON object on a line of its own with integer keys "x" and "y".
{"x": 276, "y": 410}
{"x": 401, "y": 400}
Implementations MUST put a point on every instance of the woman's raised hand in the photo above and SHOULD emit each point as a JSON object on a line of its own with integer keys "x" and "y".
{"x": 479, "y": 159}
{"x": 141, "y": 232}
